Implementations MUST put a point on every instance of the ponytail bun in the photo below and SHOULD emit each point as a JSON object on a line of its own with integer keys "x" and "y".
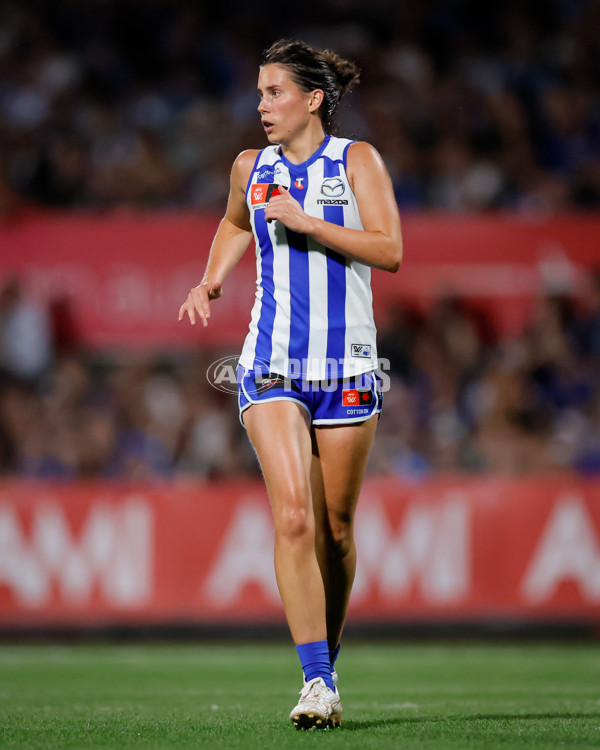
{"x": 346, "y": 73}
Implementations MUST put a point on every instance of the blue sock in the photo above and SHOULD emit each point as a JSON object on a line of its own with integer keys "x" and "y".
{"x": 314, "y": 658}
{"x": 333, "y": 655}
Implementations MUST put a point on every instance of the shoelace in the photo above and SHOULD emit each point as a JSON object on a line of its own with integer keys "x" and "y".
{"x": 310, "y": 689}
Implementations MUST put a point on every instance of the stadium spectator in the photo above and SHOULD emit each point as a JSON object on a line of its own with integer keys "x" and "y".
{"x": 25, "y": 333}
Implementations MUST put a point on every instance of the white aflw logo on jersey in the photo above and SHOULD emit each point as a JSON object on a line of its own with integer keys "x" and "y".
{"x": 312, "y": 305}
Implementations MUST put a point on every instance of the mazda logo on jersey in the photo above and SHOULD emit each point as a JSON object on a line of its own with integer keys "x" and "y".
{"x": 333, "y": 187}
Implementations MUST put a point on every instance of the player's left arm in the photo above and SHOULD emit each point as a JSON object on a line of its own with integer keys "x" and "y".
{"x": 380, "y": 244}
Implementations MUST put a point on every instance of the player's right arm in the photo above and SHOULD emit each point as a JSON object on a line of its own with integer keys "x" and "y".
{"x": 229, "y": 244}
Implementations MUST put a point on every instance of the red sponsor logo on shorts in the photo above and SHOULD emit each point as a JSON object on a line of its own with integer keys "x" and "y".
{"x": 350, "y": 398}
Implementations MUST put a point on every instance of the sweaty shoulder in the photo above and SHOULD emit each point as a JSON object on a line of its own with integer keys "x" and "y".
{"x": 362, "y": 153}
{"x": 364, "y": 159}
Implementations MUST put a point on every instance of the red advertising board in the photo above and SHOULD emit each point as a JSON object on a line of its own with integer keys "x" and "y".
{"x": 451, "y": 550}
{"x": 127, "y": 274}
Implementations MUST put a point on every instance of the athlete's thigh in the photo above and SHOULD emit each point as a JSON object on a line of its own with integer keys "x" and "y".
{"x": 339, "y": 466}
{"x": 280, "y": 434}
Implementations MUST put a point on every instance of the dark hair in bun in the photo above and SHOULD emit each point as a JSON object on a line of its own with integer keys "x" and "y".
{"x": 312, "y": 69}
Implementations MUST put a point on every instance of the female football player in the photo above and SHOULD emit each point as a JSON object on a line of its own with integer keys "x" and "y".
{"x": 322, "y": 213}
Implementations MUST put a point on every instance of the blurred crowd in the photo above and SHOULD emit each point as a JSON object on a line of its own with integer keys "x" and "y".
{"x": 461, "y": 399}
{"x": 464, "y": 400}
{"x": 145, "y": 103}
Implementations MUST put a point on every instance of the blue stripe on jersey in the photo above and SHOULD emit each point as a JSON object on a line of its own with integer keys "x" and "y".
{"x": 336, "y": 282}
{"x": 299, "y": 283}
{"x": 264, "y": 340}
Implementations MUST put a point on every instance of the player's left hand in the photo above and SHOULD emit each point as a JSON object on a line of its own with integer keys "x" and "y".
{"x": 288, "y": 211}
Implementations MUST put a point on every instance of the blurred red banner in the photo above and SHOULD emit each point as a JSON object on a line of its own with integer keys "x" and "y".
{"x": 444, "y": 550}
{"x": 126, "y": 275}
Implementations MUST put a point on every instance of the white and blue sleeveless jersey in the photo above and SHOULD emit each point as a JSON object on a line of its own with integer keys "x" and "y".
{"x": 313, "y": 313}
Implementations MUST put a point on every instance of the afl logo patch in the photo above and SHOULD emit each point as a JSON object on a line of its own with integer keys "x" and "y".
{"x": 333, "y": 187}
{"x": 350, "y": 397}
{"x": 360, "y": 350}
{"x": 354, "y": 397}
{"x": 261, "y": 193}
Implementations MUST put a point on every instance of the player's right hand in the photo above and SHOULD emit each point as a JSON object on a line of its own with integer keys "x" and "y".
{"x": 198, "y": 301}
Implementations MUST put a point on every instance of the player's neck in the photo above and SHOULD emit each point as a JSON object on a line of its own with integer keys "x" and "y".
{"x": 304, "y": 145}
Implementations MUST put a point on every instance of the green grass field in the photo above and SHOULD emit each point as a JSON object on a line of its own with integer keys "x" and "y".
{"x": 238, "y": 696}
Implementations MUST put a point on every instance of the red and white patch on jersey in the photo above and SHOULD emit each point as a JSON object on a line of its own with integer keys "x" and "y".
{"x": 262, "y": 192}
{"x": 258, "y": 193}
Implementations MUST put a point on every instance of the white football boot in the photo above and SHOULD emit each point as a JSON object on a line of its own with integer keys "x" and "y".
{"x": 318, "y": 706}
{"x": 336, "y": 714}
{"x": 335, "y": 719}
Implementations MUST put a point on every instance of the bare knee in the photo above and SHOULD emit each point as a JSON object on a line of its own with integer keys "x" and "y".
{"x": 341, "y": 536}
{"x": 294, "y": 522}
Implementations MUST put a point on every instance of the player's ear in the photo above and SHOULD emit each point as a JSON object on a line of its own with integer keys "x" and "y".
{"x": 315, "y": 99}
